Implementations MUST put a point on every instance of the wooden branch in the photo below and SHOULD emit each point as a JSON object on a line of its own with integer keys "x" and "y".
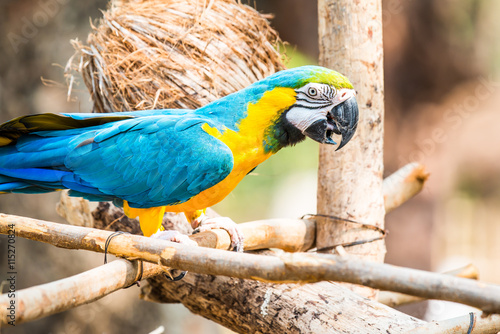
{"x": 247, "y": 306}
{"x": 47, "y": 299}
{"x": 394, "y": 299}
{"x": 402, "y": 185}
{"x": 472, "y": 323}
{"x": 288, "y": 267}
{"x": 350, "y": 180}
{"x": 43, "y": 300}
{"x": 291, "y": 235}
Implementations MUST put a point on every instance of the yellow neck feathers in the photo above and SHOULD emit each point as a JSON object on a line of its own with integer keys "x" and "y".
{"x": 260, "y": 116}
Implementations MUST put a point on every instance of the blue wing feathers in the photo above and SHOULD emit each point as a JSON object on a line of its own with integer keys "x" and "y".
{"x": 34, "y": 174}
{"x": 156, "y": 192}
{"x": 147, "y": 158}
{"x": 91, "y": 197}
{"x": 32, "y": 160}
{"x": 41, "y": 144}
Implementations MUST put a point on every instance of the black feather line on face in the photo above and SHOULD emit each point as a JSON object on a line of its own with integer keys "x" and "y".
{"x": 317, "y": 102}
{"x": 319, "y": 106}
{"x": 282, "y": 134}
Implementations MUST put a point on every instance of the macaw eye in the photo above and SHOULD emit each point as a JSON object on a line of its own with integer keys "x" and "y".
{"x": 312, "y": 91}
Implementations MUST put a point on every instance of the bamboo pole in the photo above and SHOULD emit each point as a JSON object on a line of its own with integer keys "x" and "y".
{"x": 350, "y": 180}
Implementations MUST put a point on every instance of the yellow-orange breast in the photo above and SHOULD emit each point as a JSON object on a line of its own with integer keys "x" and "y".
{"x": 246, "y": 144}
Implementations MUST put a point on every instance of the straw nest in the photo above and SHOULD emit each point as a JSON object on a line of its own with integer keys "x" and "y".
{"x": 153, "y": 54}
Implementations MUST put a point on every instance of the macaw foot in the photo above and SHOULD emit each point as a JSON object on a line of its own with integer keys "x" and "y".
{"x": 205, "y": 224}
{"x": 174, "y": 236}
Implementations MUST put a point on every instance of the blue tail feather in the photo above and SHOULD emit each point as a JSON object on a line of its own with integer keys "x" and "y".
{"x": 33, "y": 150}
{"x": 34, "y": 174}
{"x": 8, "y": 186}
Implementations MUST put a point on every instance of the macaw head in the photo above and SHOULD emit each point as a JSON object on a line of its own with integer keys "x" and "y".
{"x": 324, "y": 106}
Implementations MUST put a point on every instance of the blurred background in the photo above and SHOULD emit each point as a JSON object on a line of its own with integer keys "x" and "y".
{"x": 442, "y": 85}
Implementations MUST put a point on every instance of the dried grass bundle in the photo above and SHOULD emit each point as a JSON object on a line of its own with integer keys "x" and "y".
{"x": 147, "y": 54}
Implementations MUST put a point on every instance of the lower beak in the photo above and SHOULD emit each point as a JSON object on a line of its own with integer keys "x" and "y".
{"x": 341, "y": 120}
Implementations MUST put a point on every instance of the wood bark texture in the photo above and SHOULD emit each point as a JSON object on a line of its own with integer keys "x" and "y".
{"x": 472, "y": 323}
{"x": 350, "y": 180}
{"x": 247, "y": 306}
{"x": 54, "y": 297}
{"x": 395, "y": 299}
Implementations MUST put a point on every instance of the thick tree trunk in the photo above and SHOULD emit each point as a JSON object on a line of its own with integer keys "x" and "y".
{"x": 247, "y": 306}
{"x": 350, "y": 180}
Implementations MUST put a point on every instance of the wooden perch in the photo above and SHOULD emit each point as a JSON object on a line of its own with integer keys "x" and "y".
{"x": 468, "y": 324}
{"x": 276, "y": 308}
{"x": 288, "y": 267}
{"x": 394, "y": 299}
{"x": 402, "y": 185}
{"x": 291, "y": 235}
{"x": 339, "y": 307}
{"x": 43, "y": 300}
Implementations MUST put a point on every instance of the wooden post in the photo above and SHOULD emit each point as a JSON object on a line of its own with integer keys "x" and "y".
{"x": 350, "y": 180}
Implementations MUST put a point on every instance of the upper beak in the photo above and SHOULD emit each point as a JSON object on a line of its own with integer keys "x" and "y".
{"x": 342, "y": 120}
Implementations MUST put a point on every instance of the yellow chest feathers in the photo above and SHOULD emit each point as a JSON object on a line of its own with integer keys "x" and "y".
{"x": 246, "y": 144}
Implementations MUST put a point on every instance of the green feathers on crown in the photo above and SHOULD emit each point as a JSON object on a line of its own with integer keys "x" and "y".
{"x": 300, "y": 76}
{"x": 329, "y": 77}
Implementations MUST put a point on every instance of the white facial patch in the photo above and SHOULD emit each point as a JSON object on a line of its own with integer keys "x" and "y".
{"x": 302, "y": 117}
{"x": 313, "y": 101}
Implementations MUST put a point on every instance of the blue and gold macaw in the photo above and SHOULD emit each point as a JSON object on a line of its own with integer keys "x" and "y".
{"x": 175, "y": 160}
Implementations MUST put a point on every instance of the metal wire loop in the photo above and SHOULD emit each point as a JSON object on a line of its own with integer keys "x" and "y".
{"x": 382, "y": 232}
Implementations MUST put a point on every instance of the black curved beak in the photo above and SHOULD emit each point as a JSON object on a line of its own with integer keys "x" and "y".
{"x": 341, "y": 120}
{"x": 345, "y": 120}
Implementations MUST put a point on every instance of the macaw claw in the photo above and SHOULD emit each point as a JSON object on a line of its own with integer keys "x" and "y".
{"x": 224, "y": 223}
{"x": 174, "y": 236}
